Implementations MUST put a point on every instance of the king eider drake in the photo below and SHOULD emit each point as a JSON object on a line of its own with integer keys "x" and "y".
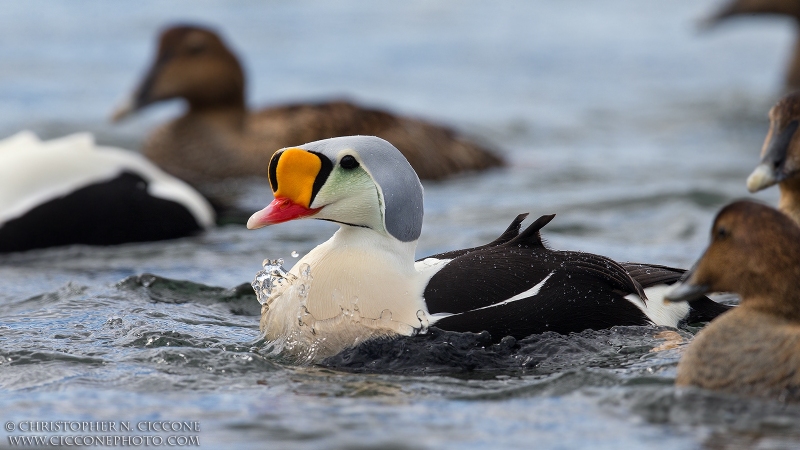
{"x": 513, "y": 286}
{"x": 219, "y": 138}
{"x": 780, "y": 156}
{"x": 754, "y": 349}
{"x": 71, "y": 191}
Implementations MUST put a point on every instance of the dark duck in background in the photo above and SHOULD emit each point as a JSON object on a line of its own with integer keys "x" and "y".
{"x": 748, "y": 8}
{"x": 780, "y": 156}
{"x": 219, "y": 138}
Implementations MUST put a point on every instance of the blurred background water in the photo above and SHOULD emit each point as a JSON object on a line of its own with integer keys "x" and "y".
{"x": 618, "y": 116}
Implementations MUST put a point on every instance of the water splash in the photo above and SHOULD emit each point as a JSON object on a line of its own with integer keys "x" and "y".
{"x": 271, "y": 279}
{"x": 295, "y": 254}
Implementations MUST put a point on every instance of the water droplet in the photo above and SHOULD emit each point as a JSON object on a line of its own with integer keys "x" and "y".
{"x": 295, "y": 254}
{"x": 270, "y": 278}
{"x": 305, "y": 271}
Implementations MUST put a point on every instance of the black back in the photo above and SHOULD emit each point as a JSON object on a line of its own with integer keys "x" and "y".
{"x": 582, "y": 290}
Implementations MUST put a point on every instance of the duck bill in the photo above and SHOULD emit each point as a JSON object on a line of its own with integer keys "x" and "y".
{"x": 762, "y": 177}
{"x": 141, "y": 97}
{"x": 772, "y": 169}
{"x": 687, "y": 288}
{"x": 281, "y": 210}
{"x": 686, "y": 292}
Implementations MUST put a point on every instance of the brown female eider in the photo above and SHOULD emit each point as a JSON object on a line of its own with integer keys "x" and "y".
{"x": 754, "y": 349}
{"x": 780, "y": 156}
{"x": 219, "y": 138}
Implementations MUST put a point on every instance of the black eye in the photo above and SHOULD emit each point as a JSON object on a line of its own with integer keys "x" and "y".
{"x": 194, "y": 51}
{"x": 722, "y": 233}
{"x": 348, "y": 162}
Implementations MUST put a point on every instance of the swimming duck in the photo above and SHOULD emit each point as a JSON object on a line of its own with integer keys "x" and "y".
{"x": 780, "y": 156}
{"x": 789, "y": 8}
{"x": 219, "y": 138}
{"x": 71, "y": 191}
{"x": 754, "y": 349}
{"x": 513, "y": 286}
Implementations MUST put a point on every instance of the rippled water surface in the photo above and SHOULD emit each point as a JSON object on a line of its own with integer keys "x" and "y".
{"x": 618, "y": 116}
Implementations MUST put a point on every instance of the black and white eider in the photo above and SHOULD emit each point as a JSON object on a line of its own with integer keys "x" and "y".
{"x": 364, "y": 282}
{"x": 71, "y": 191}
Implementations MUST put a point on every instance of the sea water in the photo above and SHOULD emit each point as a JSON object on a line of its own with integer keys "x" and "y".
{"x": 618, "y": 116}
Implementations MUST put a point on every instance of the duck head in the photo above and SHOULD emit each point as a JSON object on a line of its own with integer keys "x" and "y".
{"x": 359, "y": 181}
{"x": 737, "y": 8}
{"x": 780, "y": 155}
{"x": 754, "y": 252}
{"x": 192, "y": 63}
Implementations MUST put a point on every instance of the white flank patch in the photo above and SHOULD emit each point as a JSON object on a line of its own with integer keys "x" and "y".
{"x": 433, "y": 318}
{"x": 428, "y": 267}
{"x": 522, "y": 295}
{"x": 657, "y": 310}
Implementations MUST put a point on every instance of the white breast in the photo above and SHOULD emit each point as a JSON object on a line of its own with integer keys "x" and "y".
{"x": 362, "y": 284}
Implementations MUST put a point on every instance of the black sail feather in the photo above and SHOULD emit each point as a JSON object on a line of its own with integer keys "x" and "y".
{"x": 532, "y": 237}
{"x": 510, "y": 233}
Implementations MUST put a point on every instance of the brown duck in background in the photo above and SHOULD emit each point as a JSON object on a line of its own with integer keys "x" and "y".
{"x": 744, "y": 8}
{"x": 753, "y": 349}
{"x": 219, "y": 138}
{"x": 780, "y": 156}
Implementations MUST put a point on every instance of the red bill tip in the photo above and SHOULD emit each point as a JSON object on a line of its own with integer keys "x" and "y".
{"x": 280, "y": 210}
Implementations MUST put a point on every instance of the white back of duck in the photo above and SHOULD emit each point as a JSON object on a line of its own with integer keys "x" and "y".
{"x": 70, "y": 190}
